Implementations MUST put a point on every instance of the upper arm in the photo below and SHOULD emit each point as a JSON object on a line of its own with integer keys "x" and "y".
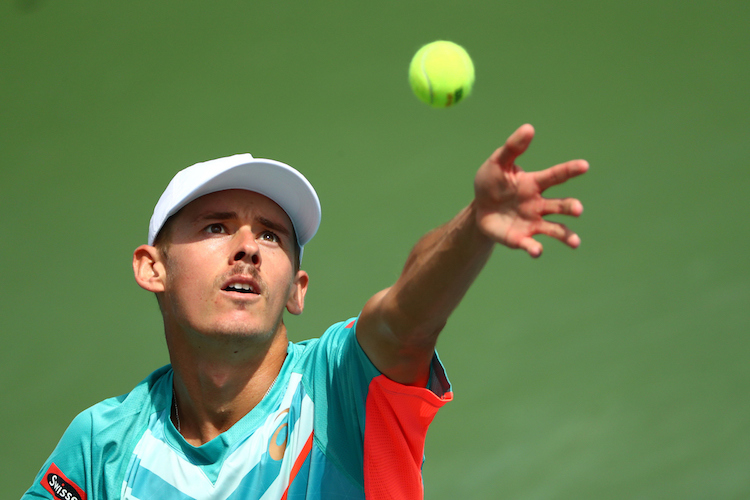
{"x": 69, "y": 465}
{"x": 398, "y": 349}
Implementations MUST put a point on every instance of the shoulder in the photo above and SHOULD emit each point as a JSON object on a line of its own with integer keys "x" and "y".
{"x": 334, "y": 334}
{"x": 114, "y": 420}
{"x": 150, "y": 395}
{"x": 98, "y": 443}
{"x": 338, "y": 347}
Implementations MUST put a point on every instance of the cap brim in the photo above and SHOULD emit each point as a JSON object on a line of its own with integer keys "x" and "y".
{"x": 278, "y": 181}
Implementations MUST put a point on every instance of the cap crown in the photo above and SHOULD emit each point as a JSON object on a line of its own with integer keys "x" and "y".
{"x": 275, "y": 180}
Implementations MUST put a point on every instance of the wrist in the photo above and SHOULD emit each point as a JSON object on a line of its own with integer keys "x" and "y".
{"x": 478, "y": 236}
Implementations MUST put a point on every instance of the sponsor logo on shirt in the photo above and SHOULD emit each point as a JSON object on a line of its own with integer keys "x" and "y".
{"x": 278, "y": 442}
{"x": 60, "y": 486}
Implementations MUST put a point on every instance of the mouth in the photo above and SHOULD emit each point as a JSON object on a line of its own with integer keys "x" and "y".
{"x": 243, "y": 287}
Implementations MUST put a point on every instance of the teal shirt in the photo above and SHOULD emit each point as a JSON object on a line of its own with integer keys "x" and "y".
{"x": 332, "y": 426}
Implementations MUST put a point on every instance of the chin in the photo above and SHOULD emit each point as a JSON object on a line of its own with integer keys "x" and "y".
{"x": 243, "y": 332}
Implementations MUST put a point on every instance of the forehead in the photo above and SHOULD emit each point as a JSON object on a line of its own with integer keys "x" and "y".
{"x": 242, "y": 203}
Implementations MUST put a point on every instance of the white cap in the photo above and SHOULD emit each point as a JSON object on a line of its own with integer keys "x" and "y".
{"x": 278, "y": 181}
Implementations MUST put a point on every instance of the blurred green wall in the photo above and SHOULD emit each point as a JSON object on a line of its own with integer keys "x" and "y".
{"x": 619, "y": 370}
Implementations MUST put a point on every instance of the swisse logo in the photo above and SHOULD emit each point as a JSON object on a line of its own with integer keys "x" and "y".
{"x": 63, "y": 488}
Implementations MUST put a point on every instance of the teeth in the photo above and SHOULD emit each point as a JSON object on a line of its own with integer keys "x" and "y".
{"x": 241, "y": 286}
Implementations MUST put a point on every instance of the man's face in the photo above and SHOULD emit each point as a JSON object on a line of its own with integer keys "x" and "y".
{"x": 229, "y": 267}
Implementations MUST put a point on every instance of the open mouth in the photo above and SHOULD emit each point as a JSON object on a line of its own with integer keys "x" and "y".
{"x": 240, "y": 288}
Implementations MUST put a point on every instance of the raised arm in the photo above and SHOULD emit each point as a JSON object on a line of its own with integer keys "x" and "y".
{"x": 399, "y": 326}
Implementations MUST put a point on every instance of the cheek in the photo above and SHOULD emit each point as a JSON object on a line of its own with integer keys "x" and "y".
{"x": 184, "y": 277}
{"x": 284, "y": 281}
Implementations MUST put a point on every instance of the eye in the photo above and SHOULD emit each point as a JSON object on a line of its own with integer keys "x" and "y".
{"x": 269, "y": 236}
{"x": 216, "y": 228}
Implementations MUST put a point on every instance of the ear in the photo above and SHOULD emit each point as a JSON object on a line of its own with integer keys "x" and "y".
{"x": 148, "y": 268}
{"x": 296, "y": 302}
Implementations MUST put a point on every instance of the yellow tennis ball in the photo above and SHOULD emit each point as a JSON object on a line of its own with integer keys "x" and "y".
{"x": 441, "y": 74}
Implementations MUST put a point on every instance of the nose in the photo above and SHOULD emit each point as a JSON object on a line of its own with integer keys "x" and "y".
{"x": 245, "y": 248}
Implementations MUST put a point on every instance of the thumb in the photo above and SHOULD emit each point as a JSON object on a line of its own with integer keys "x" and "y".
{"x": 514, "y": 146}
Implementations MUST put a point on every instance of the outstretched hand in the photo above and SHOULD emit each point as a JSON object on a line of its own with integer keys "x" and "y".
{"x": 509, "y": 202}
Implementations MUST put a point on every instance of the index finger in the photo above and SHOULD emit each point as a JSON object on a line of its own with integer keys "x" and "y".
{"x": 560, "y": 173}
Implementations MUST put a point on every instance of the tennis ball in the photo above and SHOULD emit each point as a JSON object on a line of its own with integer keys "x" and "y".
{"x": 441, "y": 74}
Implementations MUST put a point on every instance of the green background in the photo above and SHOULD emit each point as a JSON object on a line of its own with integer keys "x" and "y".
{"x": 619, "y": 370}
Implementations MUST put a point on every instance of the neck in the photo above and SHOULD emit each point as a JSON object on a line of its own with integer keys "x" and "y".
{"x": 217, "y": 381}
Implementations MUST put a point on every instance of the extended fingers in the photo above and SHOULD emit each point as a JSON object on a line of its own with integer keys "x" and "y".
{"x": 560, "y": 173}
{"x": 531, "y": 246}
{"x": 562, "y": 206}
{"x": 552, "y": 229}
{"x": 559, "y": 232}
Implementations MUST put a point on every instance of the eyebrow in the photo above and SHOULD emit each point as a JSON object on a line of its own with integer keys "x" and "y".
{"x": 215, "y": 216}
{"x": 279, "y": 228}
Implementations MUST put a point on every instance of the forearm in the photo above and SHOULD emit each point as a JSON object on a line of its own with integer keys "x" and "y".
{"x": 437, "y": 274}
{"x": 399, "y": 326}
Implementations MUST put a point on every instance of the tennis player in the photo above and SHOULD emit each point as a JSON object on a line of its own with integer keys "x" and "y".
{"x": 241, "y": 412}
